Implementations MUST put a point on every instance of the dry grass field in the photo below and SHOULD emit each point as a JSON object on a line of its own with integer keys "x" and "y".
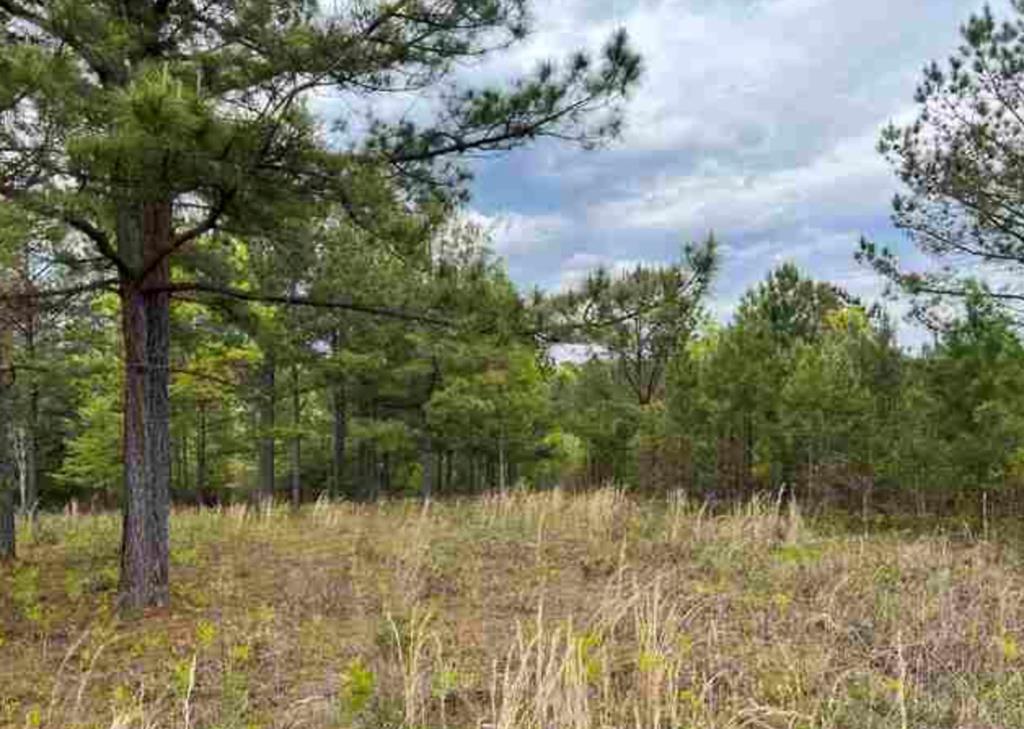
{"x": 527, "y": 611}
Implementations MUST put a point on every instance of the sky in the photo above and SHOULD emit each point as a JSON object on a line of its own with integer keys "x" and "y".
{"x": 755, "y": 119}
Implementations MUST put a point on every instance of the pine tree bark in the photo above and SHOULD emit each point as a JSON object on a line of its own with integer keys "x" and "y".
{"x": 428, "y": 466}
{"x": 144, "y": 231}
{"x": 8, "y": 526}
{"x": 502, "y": 484}
{"x": 339, "y": 483}
{"x": 30, "y": 503}
{"x": 201, "y": 486}
{"x": 360, "y": 471}
{"x": 339, "y": 407}
{"x": 268, "y": 407}
{"x": 296, "y": 441}
{"x": 184, "y": 472}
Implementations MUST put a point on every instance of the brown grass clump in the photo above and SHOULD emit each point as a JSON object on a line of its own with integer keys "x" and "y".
{"x": 526, "y": 611}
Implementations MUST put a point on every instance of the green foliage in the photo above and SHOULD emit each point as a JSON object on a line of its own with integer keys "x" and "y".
{"x": 93, "y": 460}
{"x": 960, "y": 164}
{"x": 414, "y": 362}
{"x": 594, "y": 406}
{"x": 25, "y": 593}
{"x": 358, "y": 686}
{"x": 200, "y": 115}
{"x": 639, "y": 318}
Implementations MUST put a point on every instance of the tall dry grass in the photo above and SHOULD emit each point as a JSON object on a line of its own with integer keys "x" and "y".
{"x": 538, "y": 610}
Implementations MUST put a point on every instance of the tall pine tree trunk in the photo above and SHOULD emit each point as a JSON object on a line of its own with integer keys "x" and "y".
{"x": 8, "y": 550}
{"x": 339, "y": 408}
{"x": 428, "y": 465}
{"x": 144, "y": 231}
{"x": 30, "y": 498}
{"x": 339, "y": 483}
{"x": 134, "y": 567}
{"x": 186, "y": 467}
{"x": 201, "y": 486}
{"x": 502, "y": 484}
{"x": 268, "y": 407}
{"x": 296, "y": 441}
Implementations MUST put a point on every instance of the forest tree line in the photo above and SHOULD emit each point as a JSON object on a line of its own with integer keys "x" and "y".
{"x": 803, "y": 389}
{"x": 209, "y": 293}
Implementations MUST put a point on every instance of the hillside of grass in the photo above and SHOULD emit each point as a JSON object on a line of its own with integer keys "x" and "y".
{"x": 543, "y": 610}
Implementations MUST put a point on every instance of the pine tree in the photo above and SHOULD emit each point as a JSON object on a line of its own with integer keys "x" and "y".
{"x": 960, "y": 161}
{"x": 143, "y": 126}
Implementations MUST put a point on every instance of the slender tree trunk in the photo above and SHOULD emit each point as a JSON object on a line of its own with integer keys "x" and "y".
{"x": 30, "y": 502}
{"x": 502, "y": 485}
{"x": 268, "y": 406}
{"x": 201, "y": 486}
{"x": 8, "y": 527}
{"x": 18, "y": 457}
{"x": 296, "y": 441}
{"x": 8, "y": 548}
{"x": 428, "y": 466}
{"x": 186, "y": 467}
{"x": 360, "y": 468}
{"x": 144, "y": 231}
{"x": 339, "y": 407}
{"x": 176, "y": 464}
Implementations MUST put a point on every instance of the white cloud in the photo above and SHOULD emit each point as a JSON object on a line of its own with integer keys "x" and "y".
{"x": 574, "y": 269}
{"x": 516, "y": 234}
{"x": 757, "y": 119}
{"x": 848, "y": 179}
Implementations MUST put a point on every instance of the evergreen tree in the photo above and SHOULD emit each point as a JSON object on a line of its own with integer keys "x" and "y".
{"x": 639, "y": 317}
{"x": 961, "y": 163}
{"x": 144, "y": 126}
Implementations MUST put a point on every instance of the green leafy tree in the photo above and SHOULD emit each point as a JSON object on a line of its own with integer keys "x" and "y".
{"x": 592, "y": 403}
{"x": 92, "y": 465}
{"x": 728, "y": 387}
{"x": 499, "y": 406}
{"x": 827, "y": 404}
{"x": 976, "y": 380}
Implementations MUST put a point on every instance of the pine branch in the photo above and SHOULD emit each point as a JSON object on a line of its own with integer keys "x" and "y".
{"x": 108, "y": 284}
{"x": 207, "y": 225}
{"x": 298, "y": 300}
{"x": 100, "y": 239}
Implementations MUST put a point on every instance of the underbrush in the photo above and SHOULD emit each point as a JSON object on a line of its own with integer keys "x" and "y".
{"x": 531, "y": 610}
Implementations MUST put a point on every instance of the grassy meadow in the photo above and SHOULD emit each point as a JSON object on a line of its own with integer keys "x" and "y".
{"x": 532, "y": 610}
